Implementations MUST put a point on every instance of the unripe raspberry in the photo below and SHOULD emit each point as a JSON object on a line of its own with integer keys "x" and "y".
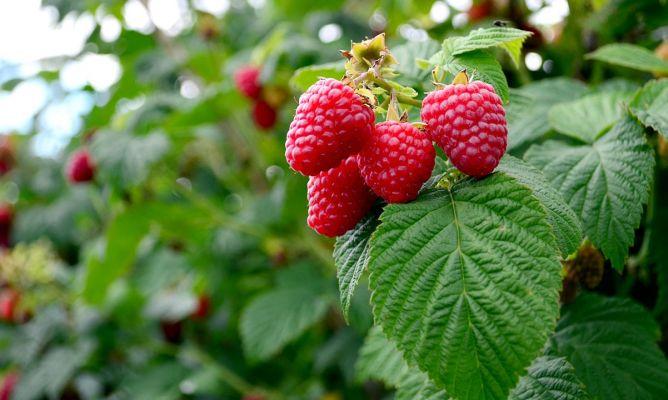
{"x": 330, "y": 124}
{"x": 248, "y": 83}
{"x": 338, "y": 199}
{"x": 80, "y": 167}
{"x": 264, "y": 115}
{"x": 397, "y": 160}
{"x": 468, "y": 122}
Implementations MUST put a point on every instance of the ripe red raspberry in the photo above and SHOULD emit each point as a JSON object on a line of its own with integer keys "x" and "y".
{"x": 7, "y": 387}
{"x": 7, "y": 158}
{"x": 6, "y": 222}
{"x": 397, "y": 160}
{"x": 80, "y": 167}
{"x": 203, "y": 306}
{"x": 9, "y": 300}
{"x": 330, "y": 124}
{"x": 264, "y": 115}
{"x": 247, "y": 80}
{"x": 468, "y": 122}
{"x": 338, "y": 198}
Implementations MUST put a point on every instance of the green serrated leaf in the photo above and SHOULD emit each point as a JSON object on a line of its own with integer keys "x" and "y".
{"x": 281, "y": 315}
{"x": 410, "y": 57}
{"x": 611, "y": 342}
{"x": 379, "y": 359}
{"x": 527, "y": 112}
{"x": 125, "y": 159}
{"x": 565, "y": 223}
{"x": 650, "y": 106}
{"x": 630, "y": 56}
{"x": 606, "y": 183}
{"x": 549, "y": 378}
{"x": 351, "y": 255}
{"x": 509, "y": 39}
{"x": 304, "y": 77}
{"x": 418, "y": 387}
{"x": 587, "y": 118}
{"x": 466, "y": 281}
{"x": 481, "y": 65}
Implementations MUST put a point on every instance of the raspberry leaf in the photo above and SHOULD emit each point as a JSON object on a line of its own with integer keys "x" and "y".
{"x": 549, "y": 378}
{"x": 650, "y": 106}
{"x": 509, "y": 39}
{"x": 529, "y": 105}
{"x": 126, "y": 160}
{"x": 482, "y": 66}
{"x": 565, "y": 224}
{"x": 611, "y": 342}
{"x": 304, "y": 77}
{"x": 630, "y": 56}
{"x": 587, "y": 118}
{"x": 606, "y": 183}
{"x": 465, "y": 281}
{"x": 408, "y": 56}
{"x": 379, "y": 359}
{"x": 351, "y": 255}
{"x": 281, "y": 315}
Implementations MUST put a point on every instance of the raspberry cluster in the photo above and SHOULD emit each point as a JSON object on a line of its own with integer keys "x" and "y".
{"x": 247, "y": 80}
{"x": 351, "y": 160}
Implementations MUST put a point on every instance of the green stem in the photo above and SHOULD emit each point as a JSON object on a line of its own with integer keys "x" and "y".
{"x": 402, "y": 98}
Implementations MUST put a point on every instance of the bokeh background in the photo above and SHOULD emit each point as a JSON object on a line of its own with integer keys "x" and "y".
{"x": 185, "y": 269}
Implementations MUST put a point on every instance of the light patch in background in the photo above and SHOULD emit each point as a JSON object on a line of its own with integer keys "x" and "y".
{"x": 59, "y": 121}
{"x": 460, "y": 5}
{"x": 413, "y": 34}
{"x": 533, "y": 61}
{"x": 534, "y": 5}
{"x": 136, "y": 17}
{"x": 329, "y": 33}
{"x": 100, "y": 71}
{"x": 460, "y": 20}
{"x": 440, "y": 12}
{"x": 110, "y": 28}
{"x": 553, "y": 13}
{"x": 377, "y": 22}
{"x": 189, "y": 89}
{"x": 18, "y": 107}
{"x": 170, "y": 16}
{"x": 31, "y": 33}
{"x": 257, "y": 4}
{"x": 215, "y": 7}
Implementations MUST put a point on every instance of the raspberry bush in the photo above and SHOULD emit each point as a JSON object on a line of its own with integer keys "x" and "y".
{"x": 336, "y": 200}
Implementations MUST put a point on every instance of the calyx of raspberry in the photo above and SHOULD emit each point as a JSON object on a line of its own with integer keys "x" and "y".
{"x": 371, "y": 54}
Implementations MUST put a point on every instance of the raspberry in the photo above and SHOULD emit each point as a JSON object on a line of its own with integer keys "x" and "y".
{"x": 264, "y": 115}
{"x": 203, "y": 306}
{"x": 6, "y": 221}
{"x": 80, "y": 167}
{"x": 468, "y": 122}
{"x": 330, "y": 124}
{"x": 6, "y": 155}
{"x": 8, "y": 384}
{"x": 338, "y": 198}
{"x": 247, "y": 80}
{"x": 9, "y": 299}
{"x": 397, "y": 160}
